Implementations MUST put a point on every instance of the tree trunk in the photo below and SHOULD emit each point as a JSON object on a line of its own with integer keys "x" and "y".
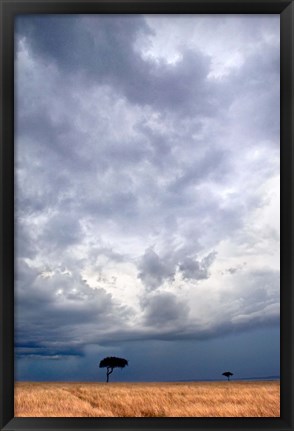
{"x": 109, "y": 371}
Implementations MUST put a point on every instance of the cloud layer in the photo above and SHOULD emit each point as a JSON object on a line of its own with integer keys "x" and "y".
{"x": 147, "y": 179}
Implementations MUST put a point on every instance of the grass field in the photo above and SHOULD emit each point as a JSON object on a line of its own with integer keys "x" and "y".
{"x": 206, "y": 399}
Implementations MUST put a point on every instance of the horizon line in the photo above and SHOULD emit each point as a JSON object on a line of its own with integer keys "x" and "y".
{"x": 274, "y": 377}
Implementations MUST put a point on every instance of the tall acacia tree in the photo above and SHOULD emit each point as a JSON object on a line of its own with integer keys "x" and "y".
{"x": 110, "y": 363}
{"x": 228, "y": 374}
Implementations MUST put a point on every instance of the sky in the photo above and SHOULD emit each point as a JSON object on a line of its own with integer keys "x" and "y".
{"x": 147, "y": 226}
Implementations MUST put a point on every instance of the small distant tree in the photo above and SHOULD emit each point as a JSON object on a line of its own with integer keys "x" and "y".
{"x": 228, "y": 374}
{"x": 110, "y": 363}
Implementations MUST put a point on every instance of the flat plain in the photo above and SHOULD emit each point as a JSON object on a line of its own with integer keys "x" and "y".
{"x": 191, "y": 399}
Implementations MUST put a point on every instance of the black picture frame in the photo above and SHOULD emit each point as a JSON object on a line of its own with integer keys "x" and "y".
{"x": 9, "y": 9}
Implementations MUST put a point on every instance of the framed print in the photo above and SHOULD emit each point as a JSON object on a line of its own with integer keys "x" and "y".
{"x": 146, "y": 215}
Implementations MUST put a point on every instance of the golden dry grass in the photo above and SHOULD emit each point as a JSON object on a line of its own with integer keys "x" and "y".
{"x": 199, "y": 399}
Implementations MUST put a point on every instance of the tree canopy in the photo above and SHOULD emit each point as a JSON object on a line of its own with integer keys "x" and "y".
{"x": 228, "y": 374}
{"x": 112, "y": 362}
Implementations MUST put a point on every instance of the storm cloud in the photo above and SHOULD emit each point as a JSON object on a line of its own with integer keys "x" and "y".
{"x": 147, "y": 180}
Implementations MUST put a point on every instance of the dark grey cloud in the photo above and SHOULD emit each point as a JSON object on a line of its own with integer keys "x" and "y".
{"x": 164, "y": 309}
{"x": 102, "y": 49}
{"x": 154, "y": 270}
{"x": 57, "y": 312}
{"x": 197, "y": 270}
{"x": 71, "y": 41}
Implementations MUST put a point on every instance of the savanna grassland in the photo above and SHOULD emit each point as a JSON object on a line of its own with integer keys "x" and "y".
{"x": 195, "y": 399}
